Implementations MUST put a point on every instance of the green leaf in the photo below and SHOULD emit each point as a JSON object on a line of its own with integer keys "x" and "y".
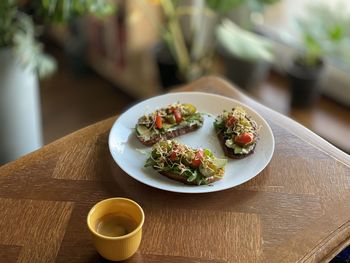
{"x": 149, "y": 162}
{"x": 244, "y": 44}
{"x": 324, "y": 33}
{"x": 223, "y": 6}
{"x": 336, "y": 33}
{"x": 46, "y": 65}
{"x": 27, "y": 49}
{"x": 192, "y": 177}
{"x": 207, "y": 152}
{"x": 64, "y": 10}
{"x": 268, "y": 2}
{"x": 8, "y": 10}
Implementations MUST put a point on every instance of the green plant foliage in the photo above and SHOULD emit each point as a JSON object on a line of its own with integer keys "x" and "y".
{"x": 325, "y": 32}
{"x": 259, "y": 5}
{"x": 28, "y": 50}
{"x": 8, "y": 11}
{"x": 188, "y": 30}
{"x": 223, "y": 6}
{"x": 63, "y": 10}
{"x": 244, "y": 44}
{"x": 18, "y": 32}
{"x": 268, "y": 2}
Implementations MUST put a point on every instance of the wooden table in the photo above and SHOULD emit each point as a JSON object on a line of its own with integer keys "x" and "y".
{"x": 296, "y": 210}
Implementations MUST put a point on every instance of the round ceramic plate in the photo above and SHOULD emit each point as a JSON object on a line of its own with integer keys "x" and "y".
{"x": 131, "y": 155}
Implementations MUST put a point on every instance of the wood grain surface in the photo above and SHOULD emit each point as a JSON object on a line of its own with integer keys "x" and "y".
{"x": 296, "y": 210}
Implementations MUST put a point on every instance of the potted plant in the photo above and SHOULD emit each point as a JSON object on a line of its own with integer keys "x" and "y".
{"x": 246, "y": 55}
{"x": 22, "y": 59}
{"x": 323, "y": 35}
{"x": 188, "y": 38}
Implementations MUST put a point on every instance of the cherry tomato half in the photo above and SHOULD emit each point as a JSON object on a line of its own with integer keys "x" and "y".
{"x": 244, "y": 138}
{"x": 230, "y": 121}
{"x": 177, "y": 115}
{"x": 159, "y": 122}
{"x": 197, "y": 160}
{"x": 173, "y": 156}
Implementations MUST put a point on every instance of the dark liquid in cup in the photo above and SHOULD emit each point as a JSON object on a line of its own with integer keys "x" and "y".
{"x": 115, "y": 225}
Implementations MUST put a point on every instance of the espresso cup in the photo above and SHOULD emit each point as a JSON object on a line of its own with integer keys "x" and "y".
{"x": 116, "y": 227}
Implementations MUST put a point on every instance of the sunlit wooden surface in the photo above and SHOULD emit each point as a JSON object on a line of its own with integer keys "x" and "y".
{"x": 327, "y": 118}
{"x": 296, "y": 210}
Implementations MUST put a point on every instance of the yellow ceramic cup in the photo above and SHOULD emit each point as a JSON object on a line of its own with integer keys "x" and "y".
{"x": 120, "y": 247}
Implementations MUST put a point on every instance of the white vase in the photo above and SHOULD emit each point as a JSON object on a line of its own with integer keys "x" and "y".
{"x": 20, "y": 115}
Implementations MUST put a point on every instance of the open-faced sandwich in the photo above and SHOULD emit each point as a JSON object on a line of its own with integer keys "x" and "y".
{"x": 237, "y": 133}
{"x": 182, "y": 163}
{"x": 166, "y": 123}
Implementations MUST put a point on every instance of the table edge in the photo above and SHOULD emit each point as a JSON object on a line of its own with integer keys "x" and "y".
{"x": 277, "y": 118}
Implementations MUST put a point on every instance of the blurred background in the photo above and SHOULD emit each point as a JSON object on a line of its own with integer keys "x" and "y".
{"x": 67, "y": 64}
{"x": 70, "y": 63}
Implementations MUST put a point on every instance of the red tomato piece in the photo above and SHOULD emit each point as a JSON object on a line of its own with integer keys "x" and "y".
{"x": 173, "y": 156}
{"x": 197, "y": 160}
{"x": 159, "y": 122}
{"x": 230, "y": 121}
{"x": 177, "y": 115}
{"x": 244, "y": 138}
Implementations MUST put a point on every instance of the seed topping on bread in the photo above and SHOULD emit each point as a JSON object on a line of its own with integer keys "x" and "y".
{"x": 168, "y": 122}
{"x": 185, "y": 164}
{"x": 237, "y": 132}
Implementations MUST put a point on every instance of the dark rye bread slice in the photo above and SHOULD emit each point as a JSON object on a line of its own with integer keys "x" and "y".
{"x": 169, "y": 135}
{"x": 182, "y": 179}
{"x": 230, "y": 152}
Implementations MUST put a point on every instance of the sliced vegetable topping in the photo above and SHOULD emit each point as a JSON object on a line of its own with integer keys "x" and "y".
{"x": 239, "y": 131}
{"x": 230, "y": 121}
{"x": 168, "y": 118}
{"x": 195, "y": 165}
{"x": 173, "y": 156}
{"x": 198, "y": 157}
{"x": 177, "y": 115}
{"x": 159, "y": 122}
{"x": 244, "y": 138}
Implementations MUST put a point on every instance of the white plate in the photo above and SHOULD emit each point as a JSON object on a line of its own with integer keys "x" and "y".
{"x": 127, "y": 150}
